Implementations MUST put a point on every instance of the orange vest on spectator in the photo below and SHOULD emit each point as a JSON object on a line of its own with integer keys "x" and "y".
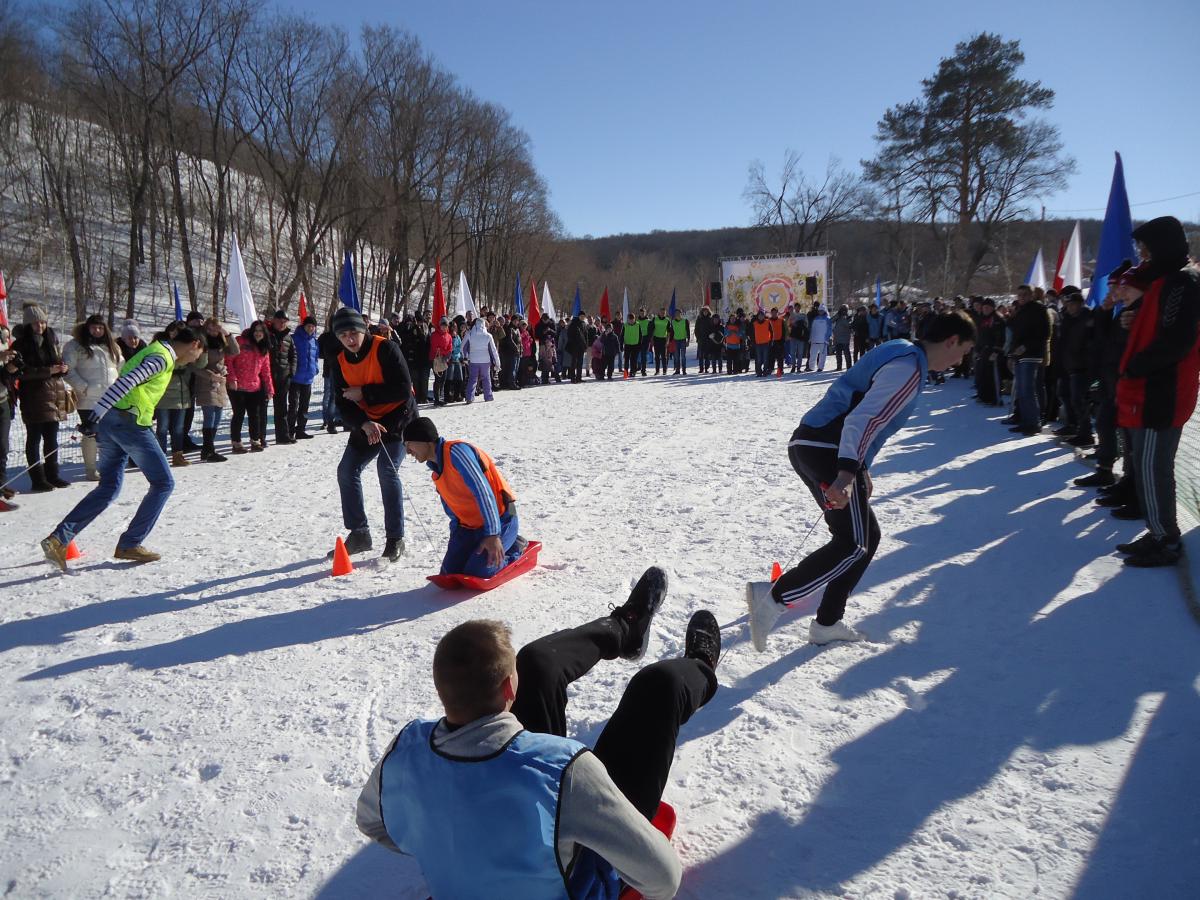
{"x": 776, "y": 329}
{"x": 367, "y": 371}
{"x": 454, "y": 491}
{"x": 762, "y": 332}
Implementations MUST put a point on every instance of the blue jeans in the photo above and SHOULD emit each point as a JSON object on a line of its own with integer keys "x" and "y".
{"x": 1029, "y": 407}
{"x": 357, "y": 456}
{"x": 170, "y": 420}
{"x": 680, "y": 355}
{"x": 212, "y": 417}
{"x": 462, "y": 557}
{"x": 330, "y": 415}
{"x": 120, "y": 438}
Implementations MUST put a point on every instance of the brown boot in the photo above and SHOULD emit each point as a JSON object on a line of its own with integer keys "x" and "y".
{"x": 138, "y": 554}
{"x": 238, "y": 448}
{"x": 256, "y": 447}
{"x": 178, "y": 460}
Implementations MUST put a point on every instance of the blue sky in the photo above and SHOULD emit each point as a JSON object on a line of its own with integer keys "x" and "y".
{"x": 647, "y": 115}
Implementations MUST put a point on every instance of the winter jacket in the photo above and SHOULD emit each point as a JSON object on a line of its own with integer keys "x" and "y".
{"x": 510, "y": 344}
{"x": 178, "y": 394}
{"x": 1075, "y": 342}
{"x": 43, "y": 396}
{"x": 549, "y": 352}
{"x": 456, "y": 349}
{"x": 130, "y": 352}
{"x": 389, "y": 401}
{"x": 798, "y": 329}
{"x": 612, "y": 344}
{"x": 250, "y": 370}
{"x": 209, "y": 384}
{"x": 480, "y": 347}
{"x": 989, "y": 332}
{"x": 307, "y": 356}
{"x": 875, "y": 325}
{"x": 92, "y": 370}
{"x": 329, "y": 347}
{"x": 819, "y": 329}
{"x": 441, "y": 343}
{"x": 841, "y": 330}
{"x": 283, "y": 354}
{"x": 526, "y": 342}
{"x": 577, "y": 340}
{"x": 703, "y": 328}
{"x": 1031, "y": 331}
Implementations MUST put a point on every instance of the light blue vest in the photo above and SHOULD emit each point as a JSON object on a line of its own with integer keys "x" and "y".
{"x": 487, "y": 827}
{"x": 824, "y": 421}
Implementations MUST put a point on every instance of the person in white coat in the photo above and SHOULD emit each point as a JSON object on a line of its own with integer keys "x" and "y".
{"x": 480, "y": 350}
{"x": 818, "y": 339}
{"x": 93, "y": 362}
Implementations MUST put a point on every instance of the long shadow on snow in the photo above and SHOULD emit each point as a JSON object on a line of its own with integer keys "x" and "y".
{"x": 343, "y": 617}
{"x": 1020, "y": 677}
{"x": 56, "y": 628}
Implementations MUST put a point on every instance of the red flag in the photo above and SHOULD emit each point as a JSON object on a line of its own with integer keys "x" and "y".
{"x": 605, "y": 315}
{"x": 707, "y": 294}
{"x": 439, "y": 296}
{"x": 1058, "y": 279}
{"x": 3, "y": 302}
{"x": 533, "y": 315}
{"x": 303, "y": 313}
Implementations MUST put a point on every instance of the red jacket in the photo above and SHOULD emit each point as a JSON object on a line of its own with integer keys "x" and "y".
{"x": 249, "y": 370}
{"x": 441, "y": 343}
{"x": 1160, "y": 369}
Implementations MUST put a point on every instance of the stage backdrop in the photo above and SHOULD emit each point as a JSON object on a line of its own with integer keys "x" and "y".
{"x": 753, "y": 283}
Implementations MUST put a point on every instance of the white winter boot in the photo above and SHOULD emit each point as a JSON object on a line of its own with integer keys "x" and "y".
{"x": 838, "y": 631}
{"x": 764, "y": 612}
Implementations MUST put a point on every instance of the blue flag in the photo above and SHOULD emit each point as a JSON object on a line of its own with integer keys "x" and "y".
{"x": 578, "y": 310}
{"x": 518, "y": 301}
{"x": 1116, "y": 240}
{"x": 671, "y": 311}
{"x": 178, "y": 305}
{"x": 878, "y": 293}
{"x": 347, "y": 289}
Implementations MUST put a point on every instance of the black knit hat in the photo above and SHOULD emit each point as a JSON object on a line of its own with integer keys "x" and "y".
{"x": 421, "y": 429}
{"x": 347, "y": 319}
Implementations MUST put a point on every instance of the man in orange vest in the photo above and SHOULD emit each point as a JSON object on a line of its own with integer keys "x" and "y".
{"x": 477, "y": 498}
{"x": 374, "y": 394}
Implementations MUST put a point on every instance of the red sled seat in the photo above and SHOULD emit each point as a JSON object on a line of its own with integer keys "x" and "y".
{"x": 518, "y": 566}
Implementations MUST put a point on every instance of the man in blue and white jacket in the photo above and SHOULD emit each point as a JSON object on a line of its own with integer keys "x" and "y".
{"x": 832, "y": 451}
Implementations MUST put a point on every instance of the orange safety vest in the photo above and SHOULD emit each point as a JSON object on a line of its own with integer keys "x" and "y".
{"x": 367, "y": 371}
{"x": 762, "y": 331}
{"x": 776, "y": 329}
{"x": 733, "y": 335}
{"x": 458, "y": 497}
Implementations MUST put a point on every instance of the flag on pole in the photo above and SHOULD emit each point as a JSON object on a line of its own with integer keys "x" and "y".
{"x": 1071, "y": 269}
{"x": 178, "y": 305}
{"x": 1058, "y": 282}
{"x": 547, "y": 301}
{"x": 465, "y": 302}
{"x": 3, "y": 302}
{"x": 1116, "y": 243}
{"x": 671, "y": 308}
{"x": 878, "y": 293}
{"x": 518, "y": 300}
{"x": 535, "y": 314}
{"x": 303, "y": 312}
{"x": 625, "y": 306}
{"x": 605, "y": 313}
{"x": 1037, "y": 272}
{"x": 577, "y": 310}
{"x": 439, "y": 295}
{"x": 237, "y": 292}
{"x": 347, "y": 288}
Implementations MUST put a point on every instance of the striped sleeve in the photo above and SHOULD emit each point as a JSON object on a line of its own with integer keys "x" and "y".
{"x": 152, "y": 365}
{"x": 463, "y": 458}
{"x": 892, "y": 388}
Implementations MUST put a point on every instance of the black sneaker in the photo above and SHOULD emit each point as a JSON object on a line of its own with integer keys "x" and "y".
{"x": 1126, "y": 513}
{"x": 302, "y": 436}
{"x": 331, "y": 429}
{"x": 1027, "y": 432}
{"x": 392, "y": 550}
{"x": 1161, "y": 553}
{"x": 1066, "y": 431}
{"x": 1082, "y": 440}
{"x": 1099, "y": 478}
{"x": 356, "y": 542}
{"x": 703, "y": 639}
{"x": 1141, "y": 545}
{"x": 638, "y": 611}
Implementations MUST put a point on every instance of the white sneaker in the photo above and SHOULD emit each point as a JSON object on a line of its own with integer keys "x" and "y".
{"x": 764, "y": 612}
{"x": 838, "y": 631}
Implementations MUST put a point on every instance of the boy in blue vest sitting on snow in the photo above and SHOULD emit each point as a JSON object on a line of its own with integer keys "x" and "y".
{"x": 494, "y": 800}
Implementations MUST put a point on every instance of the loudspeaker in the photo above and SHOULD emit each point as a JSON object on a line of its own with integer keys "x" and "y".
{"x": 810, "y": 285}
{"x": 715, "y": 290}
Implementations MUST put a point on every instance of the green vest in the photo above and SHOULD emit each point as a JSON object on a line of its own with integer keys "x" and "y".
{"x": 660, "y": 326}
{"x": 633, "y": 334}
{"x": 679, "y": 329}
{"x": 144, "y": 398}
{"x": 644, "y": 324}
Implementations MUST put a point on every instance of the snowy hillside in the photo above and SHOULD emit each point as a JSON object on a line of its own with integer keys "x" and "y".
{"x": 1024, "y": 724}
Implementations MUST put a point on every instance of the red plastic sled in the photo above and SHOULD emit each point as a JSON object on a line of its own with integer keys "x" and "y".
{"x": 664, "y": 821}
{"x": 518, "y": 566}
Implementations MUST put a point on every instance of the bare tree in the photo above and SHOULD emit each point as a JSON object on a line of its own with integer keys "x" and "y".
{"x": 797, "y": 212}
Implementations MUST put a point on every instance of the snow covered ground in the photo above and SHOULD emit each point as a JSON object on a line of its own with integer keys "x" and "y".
{"x": 1025, "y": 723}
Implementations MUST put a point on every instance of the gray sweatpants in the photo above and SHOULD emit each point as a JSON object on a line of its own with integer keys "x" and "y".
{"x": 1153, "y": 458}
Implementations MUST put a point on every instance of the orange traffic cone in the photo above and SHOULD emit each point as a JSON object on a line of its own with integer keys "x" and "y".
{"x": 776, "y": 571}
{"x": 624, "y": 374}
{"x": 779, "y": 371}
{"x": 341, "y": 559}
{"x": 73, "y": 551}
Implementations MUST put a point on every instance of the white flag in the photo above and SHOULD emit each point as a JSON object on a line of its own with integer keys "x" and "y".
{"x": 1071, "y": 271}
{"x": 547, "y": 303}
{"x": 237, "y": 292}
{"x": 465, "y": 302}
{"x": 625, "y": 306}
{"x": 1037, "y": 272}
